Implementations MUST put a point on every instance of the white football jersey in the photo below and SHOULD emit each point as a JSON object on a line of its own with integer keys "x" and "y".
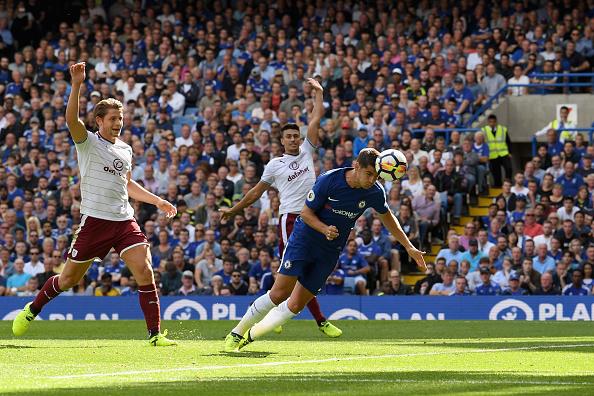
{"x": 293, "y": 176}
{"x": 104, "y": 168}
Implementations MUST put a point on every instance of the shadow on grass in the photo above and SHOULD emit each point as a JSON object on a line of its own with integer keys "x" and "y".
{"x": 529, "y": 345}
{"x": 244, "y": 354}
{"x": 9, "y": 346}
{"x": 349, "y": 383}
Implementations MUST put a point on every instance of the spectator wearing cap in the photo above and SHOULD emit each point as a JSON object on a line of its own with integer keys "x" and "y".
{"x": 514, "y": 288}
{"x": 188, "y": 288}
{"x": 258, "y": 84}
{"x": 487, "y": 287}
{"x": 462, "y": 95}
{"x": 577, "y": 287}
{"x": 473, "y": 255}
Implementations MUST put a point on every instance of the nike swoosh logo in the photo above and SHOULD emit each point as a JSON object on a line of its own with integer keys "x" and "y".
{"x": 332, "y": 199}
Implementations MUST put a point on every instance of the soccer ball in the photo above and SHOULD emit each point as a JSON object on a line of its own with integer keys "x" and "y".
{"x": 391, "y": 165}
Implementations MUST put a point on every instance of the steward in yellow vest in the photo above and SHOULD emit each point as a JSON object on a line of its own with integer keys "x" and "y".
{"x": 498, "y": 142}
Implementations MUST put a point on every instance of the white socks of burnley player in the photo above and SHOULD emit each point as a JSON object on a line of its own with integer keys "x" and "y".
{"x": 255, "y": 313}
{"x": 275, "y": 318}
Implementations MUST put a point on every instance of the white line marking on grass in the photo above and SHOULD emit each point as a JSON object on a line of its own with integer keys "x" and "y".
{"x": 315, "y": 361}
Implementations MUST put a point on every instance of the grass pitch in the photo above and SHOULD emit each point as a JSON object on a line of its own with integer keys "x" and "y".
{"x": 372, "y": 357}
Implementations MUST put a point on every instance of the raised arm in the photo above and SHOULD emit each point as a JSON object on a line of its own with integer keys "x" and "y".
{"x": 252, "y": 196}
{"x": 317, "y": 112}
{"x": 77, "y": 128}
{"x": 392, "y": 224}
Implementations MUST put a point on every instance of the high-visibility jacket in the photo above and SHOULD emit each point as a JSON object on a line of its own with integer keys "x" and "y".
{"x": 564, "y": 135}
{"x": 497, "y": 143}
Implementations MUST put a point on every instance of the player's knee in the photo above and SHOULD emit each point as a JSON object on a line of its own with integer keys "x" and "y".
{"x": 145, "y": 276}
{"x": 279, "y": 295}
{"x": 294, "y": 306}
{"x": 67, "y": 281}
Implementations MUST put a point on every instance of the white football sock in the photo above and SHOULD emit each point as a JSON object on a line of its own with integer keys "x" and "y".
{"x": 275, "y": 318}
{"x": 254, "y": 314}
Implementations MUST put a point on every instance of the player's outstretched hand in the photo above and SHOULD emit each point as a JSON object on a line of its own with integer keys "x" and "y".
{"x": 417, "y": 255}
{"x": 227, "y": 213}
{"x": 77, "y": 71}
{"x": 331, "y": 233}
{"x": 168, "y": 208}
{"x": 315, "y": 84}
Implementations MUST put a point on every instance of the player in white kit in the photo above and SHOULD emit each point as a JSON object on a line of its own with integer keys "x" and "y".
{"x": 293, "y": 175}
{"x": 107, "y": 221}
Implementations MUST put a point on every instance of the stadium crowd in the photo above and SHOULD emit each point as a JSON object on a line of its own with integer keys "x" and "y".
{"x": 207, "y": 86}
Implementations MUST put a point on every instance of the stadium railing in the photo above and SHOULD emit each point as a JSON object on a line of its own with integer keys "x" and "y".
{"x": 566, "y": 85}
{"x": 589, "y": 130}
{"x": 445, "y": 131}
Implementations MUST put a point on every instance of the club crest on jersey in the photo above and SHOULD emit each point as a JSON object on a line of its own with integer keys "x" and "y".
{"x": 361, "y": 204}
{"x": 288, "y": 264}
{"x": 294, "y": 165}
{"x": 118, "y": 164}
{"x": 311, "y": 195}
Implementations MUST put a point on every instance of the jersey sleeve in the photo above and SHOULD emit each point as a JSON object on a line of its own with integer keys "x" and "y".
{"x": 318, "y": 195}
{"x": 269, "y": 171}
{"x": 379, "y": 202}
{"x": 86, "y": 144}
{"x": 308, "y": 147}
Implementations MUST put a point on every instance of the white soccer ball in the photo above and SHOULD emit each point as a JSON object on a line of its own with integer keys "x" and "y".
{"x": 391, "y": 164}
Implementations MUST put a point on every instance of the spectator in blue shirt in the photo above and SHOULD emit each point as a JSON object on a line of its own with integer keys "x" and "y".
{"x": 462, "y": 95}
{"x": 355, "y": 268}
{"x": 514, "y": 288}
{"x": 18, "y": 280}
{"x": 361, "y": 141}
{"x": 114, "y": 268}
{"x": 257, "y": 83}
{"x": 269, "y": 277}
{"x": 261, "y": 267}
{"x": 542, "y": 262}
{"x": 335, "y": 282}
{"x": 570, "y": 181}
{"x": 472, "y": 255}
{"x": 487, "y": 287}
{"x": 446, "y": 286}
{"x": 452, "y": 252}
{"x": 577, "y": 287}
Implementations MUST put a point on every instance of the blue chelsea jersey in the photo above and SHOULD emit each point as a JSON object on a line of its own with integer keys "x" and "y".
{"x": 336, "y": 203}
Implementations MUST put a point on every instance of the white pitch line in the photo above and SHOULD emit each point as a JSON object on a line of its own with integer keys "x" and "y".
{"x": 315, "y": 361}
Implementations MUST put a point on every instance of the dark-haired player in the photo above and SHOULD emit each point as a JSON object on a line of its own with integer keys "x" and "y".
{"x": 335, "y": 202}
{"x": 293, "y": 175}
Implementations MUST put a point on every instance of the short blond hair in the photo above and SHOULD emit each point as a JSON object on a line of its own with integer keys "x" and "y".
{"x": 105, "y": 105}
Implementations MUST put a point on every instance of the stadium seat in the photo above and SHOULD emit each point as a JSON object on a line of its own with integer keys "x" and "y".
{"x": 191, "y": 111}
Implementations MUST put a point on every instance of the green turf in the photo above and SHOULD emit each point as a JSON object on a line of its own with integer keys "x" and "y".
{"x": 373, "y": 357}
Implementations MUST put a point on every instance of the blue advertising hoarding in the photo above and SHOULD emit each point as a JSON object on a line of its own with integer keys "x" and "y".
{"x": 335, "y": 307}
